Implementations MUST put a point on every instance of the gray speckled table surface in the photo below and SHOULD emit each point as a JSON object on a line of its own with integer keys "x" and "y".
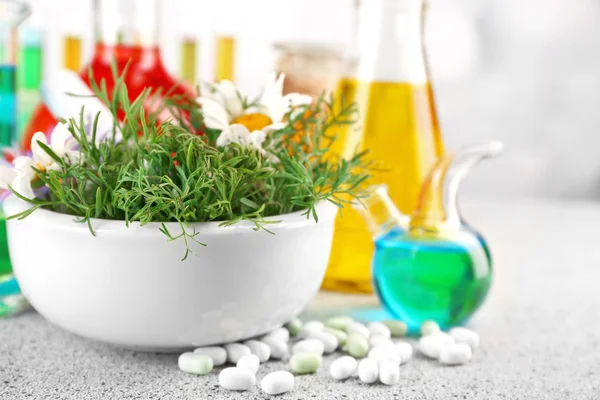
{"x": 540, "y": 331}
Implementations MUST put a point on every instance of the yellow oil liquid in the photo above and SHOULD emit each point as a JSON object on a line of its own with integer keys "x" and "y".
{"x": 189, "y": 55}
{"x": 225, "y": 58}
{"x": 398, "y": 125}
{"x": 72, "y": 53}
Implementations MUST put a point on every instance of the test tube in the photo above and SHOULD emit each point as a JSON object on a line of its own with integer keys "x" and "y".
{"x": 12, "y": 14}
{"x": 189, "y": 58}
{"x": 225, "y": 58}
{"x": 72, "y": 52}
{"x": 29, "y": 75}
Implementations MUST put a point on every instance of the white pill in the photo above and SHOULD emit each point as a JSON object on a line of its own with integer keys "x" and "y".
{"x": 405, "y": 350}
{"x": 235, "y": 351}
{"x": 259, "y": 349}
{"x": 444, "y": 338}
{"x": 466, "y": 336}
{"x": 343, "y": 368}
{"x": 250, "y": 362}
{"x": 279, "y": 349}
{"x": 330, "y": 342}
{"x": 432, "y": 345}
{"x": 235, "y": 378}
{"x": 358, "y": 328}
{"x": 314, "y": 325}
{"x": 389, "y": 373}
{"x": 277, "y": 382}
{"x": 309, "y": 328}
{"x": 368, "y": 370}
{"x": 198, "y": 364}
{"x": 456, "y": 354}
{"x": 385, "y": 352}
{"x": 218, "y": 354}
{"x": 378, "y": 328}
{"x": 280, "y": 334}
{"x": 309, "y": 346}
{"x": 376, "y": 340}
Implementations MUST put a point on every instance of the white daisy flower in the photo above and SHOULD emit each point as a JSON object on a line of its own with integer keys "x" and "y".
{"x": 239, "y": 134}
{"x": 62, "y": 143}
{"x": 7, "y": 175}
{"x": 23, "y": 174}
{"x": 223, "y": 109}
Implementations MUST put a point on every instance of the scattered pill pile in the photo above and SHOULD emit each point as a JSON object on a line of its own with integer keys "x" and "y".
{"x": 375, "y": 344}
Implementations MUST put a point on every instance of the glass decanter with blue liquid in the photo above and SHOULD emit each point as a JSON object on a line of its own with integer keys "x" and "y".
{"x": 431, "y": 265}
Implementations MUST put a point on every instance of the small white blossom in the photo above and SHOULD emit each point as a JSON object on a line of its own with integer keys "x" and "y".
{"x": 24, "y": 172}
{"x": 239, "y": 134}
{"x": 223, "y": 109}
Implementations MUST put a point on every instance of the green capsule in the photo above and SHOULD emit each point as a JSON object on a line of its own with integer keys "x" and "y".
{"x": 429, "y": 327}
{"x": 294, "y": 326}
{"x": 397, "y": 328}
{"x": 341, "y": 336}
{"x": 305, "y": 363}
{"x": 357, "y": 345}
{"x": 197, "y": 364}
{"x": 341, "y": 322}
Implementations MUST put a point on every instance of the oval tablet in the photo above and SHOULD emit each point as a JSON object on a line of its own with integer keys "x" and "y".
{"x": 309, "y": 346}
{"x": 330, "y": 342}
{"x": 385, "y": 352}
{"x": 259, "y": 349}
{"x": 197, "y": 364}
{"x": 343, "y": 368}
{"x": 397, "y": 328}
{"x": 428, "y": 327}
{"x": 456, "y": 354}
{"x": 432, "y": 345}
{"x": 277, "y": 383}
{"x": 357, "y": 345}
{"x": 368, "y": 370}
{"x": 281, "y": 334}
{"x": 218, "y": 354}
{"x": 235, "y": 351}
{"x": 405, "y": 350}
{"x": 389, "y": 373}
{"x": 279, "y": 349}
{"x": 235, "y": 378}
{"x": 377, "y": 340}
{"x": 357, "y": 327}
{"x": 305, "y": 363}
{"x": 250, "y": 362}
{"x": 466, "y": 336}
{"x": 294, "y": 326}
{"x": 340, "y": 322}
{"x": 378, "y": 328}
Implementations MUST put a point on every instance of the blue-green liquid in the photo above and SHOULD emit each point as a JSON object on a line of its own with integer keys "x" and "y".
{"x": 9, "y": 289}
{"x": 431, "y": 279}
{"x": 8, "y": 105}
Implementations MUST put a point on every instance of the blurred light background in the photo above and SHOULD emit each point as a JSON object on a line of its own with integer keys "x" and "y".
{"x": 525, "y": 72}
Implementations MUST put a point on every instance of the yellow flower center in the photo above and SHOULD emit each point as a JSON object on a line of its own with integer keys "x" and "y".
{"x": 253, "y": 122}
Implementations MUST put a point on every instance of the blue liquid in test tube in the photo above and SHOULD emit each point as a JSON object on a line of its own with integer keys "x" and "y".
{"x": 8, "y": 105}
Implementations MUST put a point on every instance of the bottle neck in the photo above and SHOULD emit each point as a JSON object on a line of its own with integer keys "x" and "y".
{"x": 129, "y": 23}
{"x": 380, "y": 213}
{"x": 391, "y": 43}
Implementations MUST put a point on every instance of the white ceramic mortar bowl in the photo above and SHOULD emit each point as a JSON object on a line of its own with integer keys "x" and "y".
{"x": 129, "y": 287}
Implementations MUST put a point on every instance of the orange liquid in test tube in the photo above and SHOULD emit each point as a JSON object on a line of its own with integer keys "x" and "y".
{"x": 72, "y": 53}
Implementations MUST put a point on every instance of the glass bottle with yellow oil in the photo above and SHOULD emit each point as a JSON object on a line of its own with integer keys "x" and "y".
{"x": 397, "y": 123}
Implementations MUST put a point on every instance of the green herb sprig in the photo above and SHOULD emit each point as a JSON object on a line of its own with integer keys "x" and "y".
{"x": 169, "y": 172}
